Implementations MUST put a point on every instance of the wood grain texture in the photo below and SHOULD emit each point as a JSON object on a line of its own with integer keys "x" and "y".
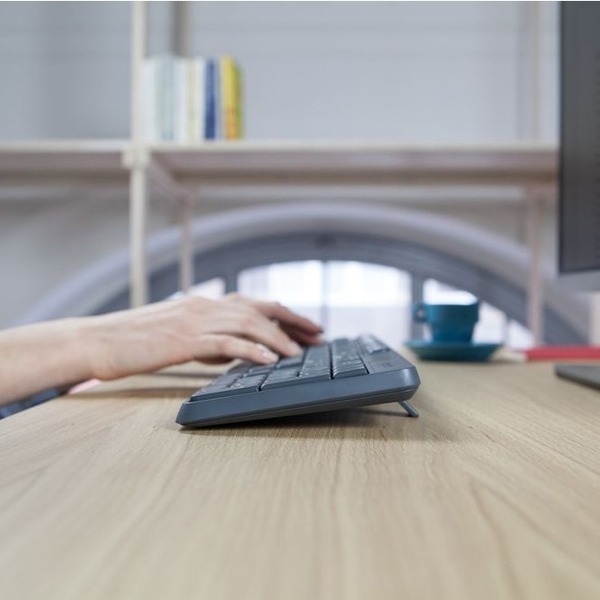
{"x": 492, "y": 493}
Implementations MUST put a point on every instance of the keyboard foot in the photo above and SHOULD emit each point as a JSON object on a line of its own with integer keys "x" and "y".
{"x": 411, "y": 411}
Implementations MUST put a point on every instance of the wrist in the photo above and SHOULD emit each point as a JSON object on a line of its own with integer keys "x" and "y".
{"x": 73, "y": 351}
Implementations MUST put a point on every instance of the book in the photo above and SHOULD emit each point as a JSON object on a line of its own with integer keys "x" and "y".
{"x": 210, "y": 132}
{"x": 217, "y": 100}
{"x": 180, "y": 105}
{"x": 229, "y": 99}
{"x": 239, "y": 92}
{"x": 196, "y": 99}
{"x": 190, "y": 100}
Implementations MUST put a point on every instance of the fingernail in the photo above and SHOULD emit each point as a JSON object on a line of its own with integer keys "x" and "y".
{"x": 267, "y": 354}
{"x": 294, "y": 348}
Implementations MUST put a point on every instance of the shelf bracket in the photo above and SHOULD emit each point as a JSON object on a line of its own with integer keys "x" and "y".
{"x": 162, "y": 179}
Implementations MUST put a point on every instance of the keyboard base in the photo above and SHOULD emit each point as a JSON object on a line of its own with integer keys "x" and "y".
{"x": 353, "y": 392}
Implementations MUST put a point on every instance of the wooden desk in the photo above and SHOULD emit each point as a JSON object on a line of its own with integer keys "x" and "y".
{"x": 493, "y": 493}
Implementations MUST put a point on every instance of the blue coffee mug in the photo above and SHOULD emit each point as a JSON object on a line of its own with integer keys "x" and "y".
{"x": 448, "y": 322}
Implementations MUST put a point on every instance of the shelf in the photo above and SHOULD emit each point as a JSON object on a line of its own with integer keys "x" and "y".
{"x": 327, "y": 163}
{"x": 62, "y": 162}
{"x": 288, "y": 163}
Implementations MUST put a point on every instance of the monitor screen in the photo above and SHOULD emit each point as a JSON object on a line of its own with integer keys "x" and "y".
{"x": 579, "y": 193}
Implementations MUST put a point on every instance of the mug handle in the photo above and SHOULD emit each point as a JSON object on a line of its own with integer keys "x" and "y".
{"x": 418, "y": 312}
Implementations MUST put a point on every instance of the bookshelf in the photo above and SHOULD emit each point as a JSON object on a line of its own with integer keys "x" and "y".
{"x": 180, "y": 170}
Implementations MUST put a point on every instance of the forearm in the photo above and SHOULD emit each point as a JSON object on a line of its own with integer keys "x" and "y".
{"x": 141, "y": 340}
{"x": 42, "y": 356}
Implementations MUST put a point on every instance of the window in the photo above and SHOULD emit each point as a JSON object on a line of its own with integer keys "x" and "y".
{"x": 349, "y": 298}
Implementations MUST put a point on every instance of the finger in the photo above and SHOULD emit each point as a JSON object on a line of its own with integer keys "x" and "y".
{"x": 244, "y": 319}
{"x": 275, "y": 310}
{"x": 259, "y": 328}
{"x": 301, "y": 336}
{"x": 220, "y": 346}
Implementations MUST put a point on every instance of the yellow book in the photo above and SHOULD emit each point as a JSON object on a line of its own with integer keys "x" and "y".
{"x": 239, "y": 96}
{"x": 228, "y": 97}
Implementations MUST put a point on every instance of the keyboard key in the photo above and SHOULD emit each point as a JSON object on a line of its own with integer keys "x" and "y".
{"x": 290, "y": 361}
{"x": 385, "y": 361}
{"x": 224, "y": 386}
{"x": 247, "y": 384}
{"x": 371, "y": 344}
{"x": 349, "y": 370}
{"x": 310, "y": 377}
{"x": 345, "y": 359}
{"x": 317, "y": 361}
{"x": 259, "y": 370}
{"x": 281, "y": 378}
{"x": 222, "y": 382}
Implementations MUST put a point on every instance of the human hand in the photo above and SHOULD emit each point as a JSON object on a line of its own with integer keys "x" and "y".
{"x": 193, "y": 328}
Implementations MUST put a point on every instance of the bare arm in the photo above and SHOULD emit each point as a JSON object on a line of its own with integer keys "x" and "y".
{"x": 57, "y": 353}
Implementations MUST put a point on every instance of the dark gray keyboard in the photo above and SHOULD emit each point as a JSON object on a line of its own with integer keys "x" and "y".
{"x": 342, "y": 373}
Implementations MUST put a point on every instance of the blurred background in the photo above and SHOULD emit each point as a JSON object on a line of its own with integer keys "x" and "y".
{"x": 479, "y": 73}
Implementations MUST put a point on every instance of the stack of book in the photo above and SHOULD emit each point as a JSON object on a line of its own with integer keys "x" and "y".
{"x": 190, "y": 100}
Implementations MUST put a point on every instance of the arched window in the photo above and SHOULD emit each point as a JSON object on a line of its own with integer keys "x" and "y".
{"x": 351, "y": 297}
{"x": 350, "y": 251}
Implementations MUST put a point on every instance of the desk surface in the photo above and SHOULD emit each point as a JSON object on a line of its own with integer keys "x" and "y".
{"x": 494, "y": 492}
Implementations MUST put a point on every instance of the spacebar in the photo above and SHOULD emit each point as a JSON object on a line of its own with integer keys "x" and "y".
{"x": 243, "y": 385}
{"x": 294, "y": 380}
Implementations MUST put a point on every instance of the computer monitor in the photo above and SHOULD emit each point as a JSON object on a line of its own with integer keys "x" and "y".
{"x": 579, "y": 189}
{"x": 579, "y": 163}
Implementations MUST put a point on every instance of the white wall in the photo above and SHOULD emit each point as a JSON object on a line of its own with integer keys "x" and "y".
{"x": 408, "y": 71}
{"x": 405, "y": 71}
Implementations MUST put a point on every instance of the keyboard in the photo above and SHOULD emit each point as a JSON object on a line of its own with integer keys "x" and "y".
{"x": 341, "y": 373}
